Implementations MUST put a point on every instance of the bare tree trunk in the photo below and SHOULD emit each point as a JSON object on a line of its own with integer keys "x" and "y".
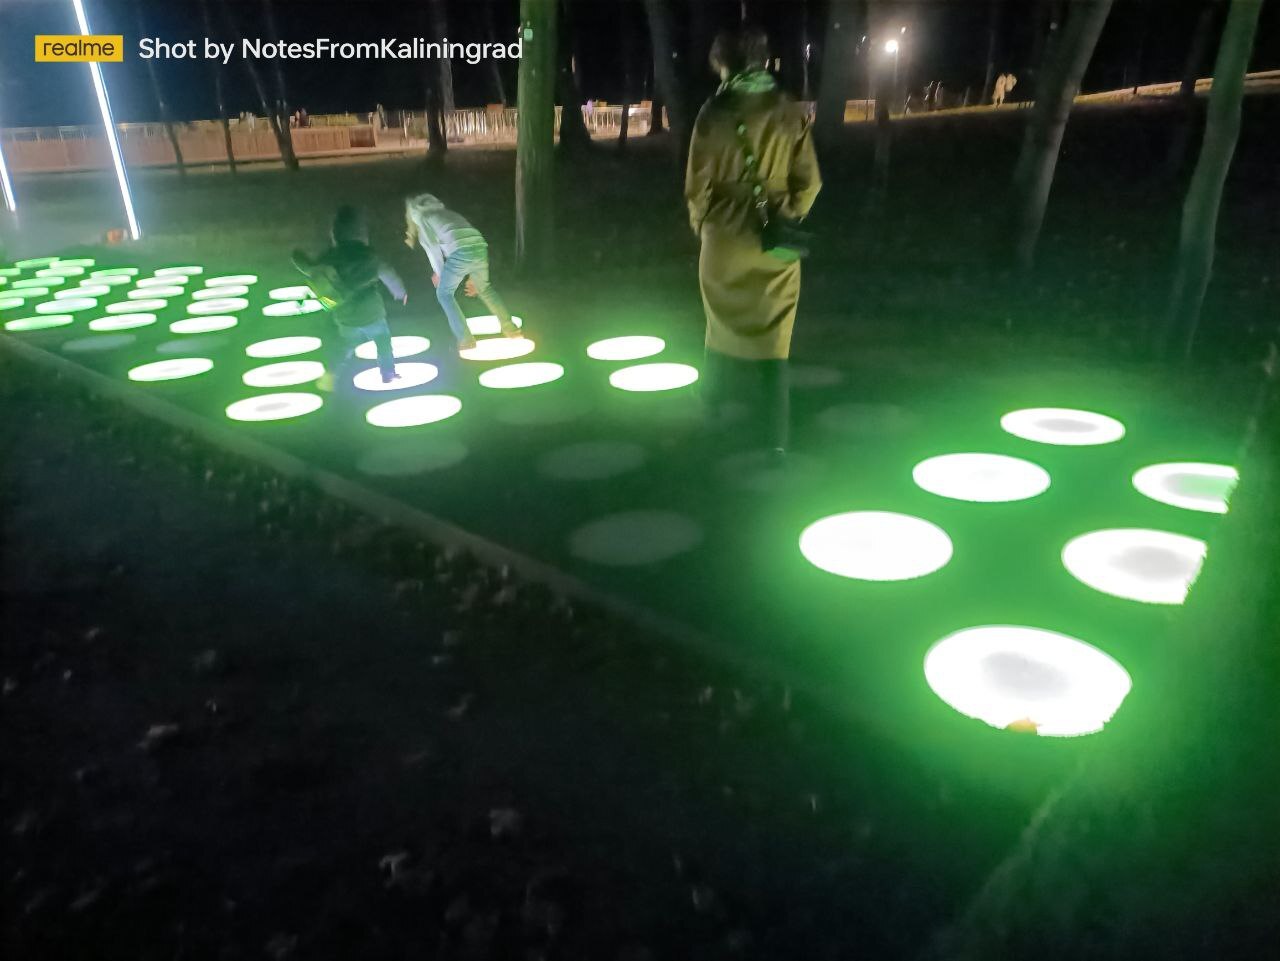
{"x": 535, "y": 143}
{"x": 883, "y": 81}
{"x": 158, "y": 93}
{"x": 440, "y": 28}
{"x": 283, "y": 140}
{"x": 284, "y": 133}
{"x": 655, "y": 116}
{"x": 433, "y": 121}
{"x": 1140, "y": 51}
{"x": 667, "y": 75}
{"x": 839, "y": 43}
{"x": 993, "y": 49}
{"x": 218, "y": 92}
{"x": 628, "y": 61}
{"x": 495, "y": 68}
{"x": 1059, "y": 83}
{"x": 574, "y": 136}
{"x": 1204, "y": 195}
{"x": 1201, "y": 38}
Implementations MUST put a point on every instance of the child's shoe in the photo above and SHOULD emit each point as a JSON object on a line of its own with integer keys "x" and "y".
{"x": 467, "y": 343}
{"x": 326, "y": 382}
{"x": 512, "y": 332}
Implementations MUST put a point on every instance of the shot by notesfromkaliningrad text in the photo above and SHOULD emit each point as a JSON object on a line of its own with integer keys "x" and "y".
{"x": 325, "y": 48}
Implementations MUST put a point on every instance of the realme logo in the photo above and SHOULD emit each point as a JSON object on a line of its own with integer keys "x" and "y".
{"x": 73, "y": 48}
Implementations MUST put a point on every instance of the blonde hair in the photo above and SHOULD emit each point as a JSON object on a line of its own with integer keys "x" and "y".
{"x": 422, "y": 204}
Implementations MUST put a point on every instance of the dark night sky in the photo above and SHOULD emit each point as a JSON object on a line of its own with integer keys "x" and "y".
{"x": 948, "y": 42}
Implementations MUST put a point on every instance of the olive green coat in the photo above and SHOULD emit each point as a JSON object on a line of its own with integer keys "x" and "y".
{"x": 750, "y": 296}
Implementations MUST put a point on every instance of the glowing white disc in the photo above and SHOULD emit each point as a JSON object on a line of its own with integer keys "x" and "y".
{"x": 175, "y": 369}
{"x": 283, "y": 347}
{"x": 178, "y": 271}
{"x": 875, "y": 546}
{"x": 32, "y": 284}
{"x": 108, "y": 280}
{"x": 986, "y": 478}
{"x": 405, "y": 346}
{"x": 626, "y": 348}
{"x": 74, "y": 262}
{"x": 300, "y": 292}
{"x": 34, "y": 262}
{"x": 413, "y": 411}
{"x": 289, "y": 373}
{"x": 488, "y": 325}
{"x": 1064, "y": 426}
{"x": 226, "y": 290}
{"x": 410, "y": 375}
{"x": 9, "y": 303}
{"x": 1154, "y": 567}
{"x": 147, "y": 292}
{"x": 133, "y": 306}
{"x": 165, "y": 282}
{"x": 38, "y": 323}
{"x": 57, "y": 270}
{"x": 521, "y": 375}
{"x": 292, "y": 308}
{"x": 203, "y": 325}
{"x": 652, "y": 377}
{"x": 1027, "y": 679}
{"x": 115, "y": 272}
{"x": 84, "y": 290}
{"x": 71, "y": 305}
{"x": 499, "y": 348}
{"x": 274, "y": 406}
{"x": 122, "y": 321}
{"x": 219, "y": 305}
{"x": 232, "y": 280}
{"x": 1197, "y": 487}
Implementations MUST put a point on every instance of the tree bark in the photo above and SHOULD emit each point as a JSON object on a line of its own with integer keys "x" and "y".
{"x": 574, "y": 136}
{"x": 535, "y": 143}
{"x": 218, "y": 91}
{"x": 1067, "y": 59}
{"x": 1196, "y": 242}
{"x": 433, "y": 121}
{"x": 495, "y": 69}
{"x": 440, "y": 28}
{"x": 839, "y": 44}
{"x": 158, "y": 93}
{"x": 667, "y": 74}
{"x": 283, "y": 140}
{"x": 284, "y": 133}
{"x": 1180, "y": 144}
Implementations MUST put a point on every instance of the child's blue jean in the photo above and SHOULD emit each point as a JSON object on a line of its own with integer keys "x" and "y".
{"x": 353, "y": 337}
{"x": 470, "y": 262}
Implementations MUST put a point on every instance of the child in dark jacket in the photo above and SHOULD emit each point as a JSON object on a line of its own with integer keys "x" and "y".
{"x": 352, "y": 267}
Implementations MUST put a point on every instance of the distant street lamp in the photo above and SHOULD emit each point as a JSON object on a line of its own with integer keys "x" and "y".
{"x": 893, "y": 47}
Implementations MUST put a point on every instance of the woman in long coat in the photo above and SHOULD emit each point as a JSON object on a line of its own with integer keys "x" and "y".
{"x": 748, "y": 134}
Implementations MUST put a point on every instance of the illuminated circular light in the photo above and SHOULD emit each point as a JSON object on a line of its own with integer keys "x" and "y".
{"x": 409, "y": 375}
{"x": 867, "y": 420}
{"x": 178, "y": 271}
{"x": 1154, "y": 567}
{"x": 34, "y": 262}
{"x": 8, "y": 272}
{"x": 39, "y": 323}
{"x": 110, "y": 280}
{"x": 406, "y": 346}
{"x": 70, "y": 305}
{"x": 488, "y": 325}
{"x": 115, "y": 272}
{"x": 122, "y": 321}
{"x": 592, "y": 460}
{"x": 175, "y": 369}
{"x": 1027, "y": 679}
{"x": 227, "y": 290}
{"x": 33, "y": 284}
{"x": 652, "y": 377}
{"x": 133, "y": 306}
{"x": 291, "y": 308}
{"x": 414, "y": 411}
{"x": 634, "y": 538}
{"x": 1064, "y": 426}
{"x": 221, "y": 305}
{"x": 9, "y": 303}
{"x": 289, "y": 373}
{"x": 93, "y": 344}
{"x": 499, "y": 348}
{"x": 401, "y": 459}
{"x": 148, "y": 292}
{"x": 58, "y": 270}
{"x": 626, "y": 348}
{"x": 986, "y": 478}
{"x": 299, "y": 292}
{"x": 875, "y": 546}
{"x": 232, "y": 280}
{"x": 25, "y": 294}
{"x": 1195, "y": 486}
{"x": 84, "y": 290}
{"x": 203, "y": 325}
{"x": 187, "y": 345}
{"x": 283, "y": 347}
{"x": 521, "y": 375}
{"x": 274, "y": 406}
{"x": 177, "y": 280}
{"x": 74, "y": 262}
{"x": 813, "y": 376}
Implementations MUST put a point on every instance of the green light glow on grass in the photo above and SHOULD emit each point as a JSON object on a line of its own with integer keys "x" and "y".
{"x": 203, "y": 325}
{"x": 84, "y": 290}
{"x": 291, "y": 308}
{"x": 626, "y": 348}
{"x": 521, "y": 375}
{"x": 220, "y": 305}
{"x": 404, "y": 346}
{"x": 101, "y": 342}
{"x": 148, "y": 292}
{"x": 74, "y": 262}
{"x": 984, "y": 478}
{"x": 175, "y": 369}
{"x": 37, "y": 283}
{"x": 1154, "y": 567}
{"x": 410, "y": 375}
{"x": 488, "y": 325}
{"x": 1027, "y": 679}
{"x": 34, "y": 262}
{"x": 275, "y": 406}
{"x": 179, "y": 271}
{"x": 134, "y": 306}
{"x": 1063, "y": 426}
{"x": 226, "y": 290}
{"x": 289, "y": 373}
{"x": 232, "y": 280}
{"x": 414, "y": 411}
{"x": 115, "y": 272}
{"x": 1194, "y": 486}
{"x": 653, "y": 377}
{"x": 499, "y": 348}
{"x": 297, "y": 292}
{"x": 283, "y": 347}
{"x": 26, "y": 293}
{"x": 60, "y": 270}
{"x": 9, "y": 303}
{"x": 7, "y": 272}
{"x": 71, "y": 305}
{"x": 38, "y": 323}
{"x": 122, "y": 321}
{"x": 875, "y": 546}
{"x": 176, "y": 280}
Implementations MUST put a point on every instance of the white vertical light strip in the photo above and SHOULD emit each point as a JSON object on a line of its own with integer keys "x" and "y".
{"x": 117, "y": 158}
{"x": 10, "y": 202}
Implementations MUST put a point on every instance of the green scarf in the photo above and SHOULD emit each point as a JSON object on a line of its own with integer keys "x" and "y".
{"x": 749, "y": 81}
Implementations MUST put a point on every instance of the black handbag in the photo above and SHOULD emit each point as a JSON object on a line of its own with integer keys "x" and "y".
{"x": 780, "y": 236}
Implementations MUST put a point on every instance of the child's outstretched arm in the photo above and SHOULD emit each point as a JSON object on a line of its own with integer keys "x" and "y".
{"x": 391, "y": 280}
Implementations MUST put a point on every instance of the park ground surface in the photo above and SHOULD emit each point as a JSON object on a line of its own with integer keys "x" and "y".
{"x": 377, "y": 743}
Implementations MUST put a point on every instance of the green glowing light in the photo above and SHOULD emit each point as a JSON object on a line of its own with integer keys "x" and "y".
{"x": 406, "y": 346}
{"x": 409, "y": 375}
{"x": 9, "y": 303}
{"x": 225, "y": 290}
{"x": 488, "y": 325}
{"x": 8, "y": 272}
{"x": 175, "y": 369}
{"x": 38, "y": 323}
{"x": 110, "y": 280}
{"x": 74, "y": 262}
{"x": 592, "y": 460}
{"x": 275, "y": 406}
{"x": 1154, "y": 567}
{"x": 175, "y": 280}
{"x": 37, "y": 283}
{"x": 221, "y": 305}
{"x": 498, "y": 348}
{"x": 298, "y": 292}
{"x": 115, "y": 272}
{"x": 1194, "y": 486}
{"x": 633, "y": 538}
{"x": 1063, "y": 426}
{"x": 71, "y": 305}
{"x": 34, "y": 262}
{"x": 626, "y": 348}
{"x": 289, "y": 373}
{"x": 25, "y": 294}
{"x": 414, "y": 411}
{"x": 84, "y": 290}
{"x": 292, "y": 308}
{"x": 411, "y": 457}
{"x": 1027, "y": 679}
{"x": 521, "y": 375}
{"x": 203, "y": 325}
{"x": 283, "y": 347}
{"x": 875, "y": 546}
{"x": 148, "y": 292}
{"x": 122, "y": 321}
{"x": 58, "y": 270}
{"x": 133, "y": 306}
{"x": 985, "y": 478}
{"x": 179, "y": 271}
{"x": 232, "y": 280}
{"x": 653, "y": 377}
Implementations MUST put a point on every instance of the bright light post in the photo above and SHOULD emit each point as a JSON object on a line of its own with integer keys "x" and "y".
{"x": 117, "y": 158}
{"x": 893, "y": 47}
